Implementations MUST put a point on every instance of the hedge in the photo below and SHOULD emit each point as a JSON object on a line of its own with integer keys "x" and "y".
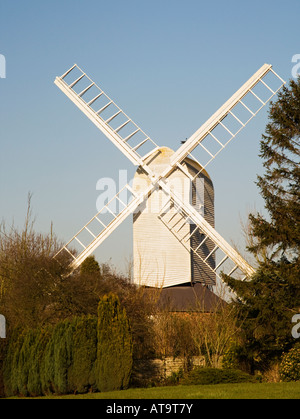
{"x": 76, "y": 356}
{"x": 216, "y": 376}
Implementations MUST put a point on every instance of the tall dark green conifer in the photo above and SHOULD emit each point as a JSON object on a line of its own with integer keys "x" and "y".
{"x": 81, "y": 374}
{"x": 114, "y": 352}
{"x": 90, "y": 266}
{"x": 280, "y": 186}
{"x": 268, "y": 302}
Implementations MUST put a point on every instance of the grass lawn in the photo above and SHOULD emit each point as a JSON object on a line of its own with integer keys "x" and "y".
{"x": 216, "y": 391}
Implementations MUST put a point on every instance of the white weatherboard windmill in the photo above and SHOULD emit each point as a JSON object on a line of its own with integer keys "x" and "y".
{"x": 172, "y": 199}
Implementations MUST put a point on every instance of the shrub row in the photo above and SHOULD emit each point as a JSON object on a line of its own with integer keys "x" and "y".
{"x": 216, "y": 376}
{"x": 75, "y": 356}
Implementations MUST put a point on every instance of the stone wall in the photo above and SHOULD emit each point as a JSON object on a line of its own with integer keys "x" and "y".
{"x": 150, "y": 371}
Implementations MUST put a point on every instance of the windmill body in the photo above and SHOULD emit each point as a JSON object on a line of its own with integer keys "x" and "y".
{"x": 172, "y": 199}
{"x": 159, "y": 258}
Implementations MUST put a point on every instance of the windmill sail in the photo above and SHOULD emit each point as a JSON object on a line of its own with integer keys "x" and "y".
{"x": 86, "y": 241}
{"x": 213, "y": 254}
{"x": 213, "y": 136}
{"x": 106, "y": 115}
{"x": 208, "y": 141}
{"x": 185, "y": 213}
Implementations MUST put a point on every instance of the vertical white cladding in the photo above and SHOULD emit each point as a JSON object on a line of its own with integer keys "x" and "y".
{"x": 160, "y": 260}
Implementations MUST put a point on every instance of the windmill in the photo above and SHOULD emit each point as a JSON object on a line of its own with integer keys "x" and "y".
{"x": 192, "y": 241}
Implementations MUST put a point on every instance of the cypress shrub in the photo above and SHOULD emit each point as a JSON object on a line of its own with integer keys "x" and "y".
{"x": 23, "y": 362}
{"x": 57, "y": 360}
{"x": 11, "y": 362}
{"x": 90, "y": 266}
{"x": 47, "y": 367}
{"x": 3, "y": 350}
{"x": 114, "y": 350}
{"x": 82, "y": 370}
{"x": 34, "y": 385}
{"x": 79, "y": 355}
{"x": 63, "y": 346}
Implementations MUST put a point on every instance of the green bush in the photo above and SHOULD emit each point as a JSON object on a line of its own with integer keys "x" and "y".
{"x": 90, "y": 266}
{"x": 82, "y": 370}
{"x": 34, "y": 383}
{"x": 57, "y": 360}
{"x": 67, "y": 364}
{"x": 215, "y": 376}
{"x": 47, "y": 367}
{"x": 11, "y": 362}
{"x": 78, "y": 355}
{"x": 290, "y": 364}
{"x": 24, "y": 360}
{"x": 3, "y": 349}
{"x": 230, "y": 358}
{"x": 21, "y": 368}
{"x": 114, "y": 351}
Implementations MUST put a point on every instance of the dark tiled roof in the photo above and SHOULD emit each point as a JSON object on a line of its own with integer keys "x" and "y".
{"x": 187, "y": 298}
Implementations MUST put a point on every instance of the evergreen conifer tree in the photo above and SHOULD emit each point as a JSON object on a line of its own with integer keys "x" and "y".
{"x": 114, "y": 352}
{"x": 81, "y": 374}
{"x": 37, "y": 353}
{"x": 280, "y": 186}
{"x": 90, "y": 266}
{"x": 25, "y": 356}
{"x": 268, "y": 302}
{"x": 11, "y": 362}
{"x": 58, "y": 359}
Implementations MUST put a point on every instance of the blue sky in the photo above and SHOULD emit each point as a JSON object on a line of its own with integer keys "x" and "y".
{"x": 168, "y": 64}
